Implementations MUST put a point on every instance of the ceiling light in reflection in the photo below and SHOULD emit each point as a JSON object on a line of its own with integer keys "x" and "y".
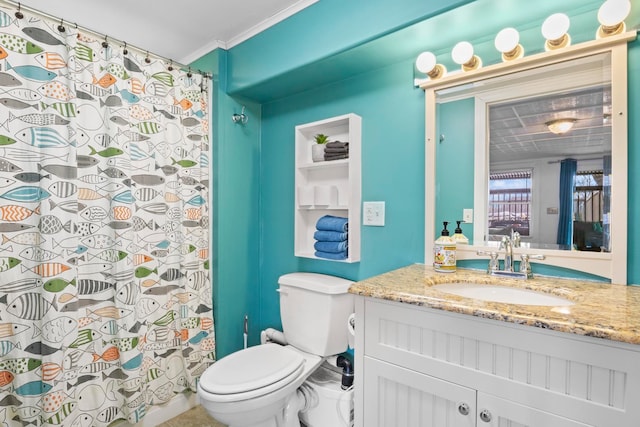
{"x": 561, "y": 126}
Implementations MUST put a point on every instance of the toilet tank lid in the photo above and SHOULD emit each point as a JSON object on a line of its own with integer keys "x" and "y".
{"x": 322, "y": 283}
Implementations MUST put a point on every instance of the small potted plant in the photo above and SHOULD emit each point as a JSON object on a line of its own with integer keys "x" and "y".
{"x": 317, "y": 149}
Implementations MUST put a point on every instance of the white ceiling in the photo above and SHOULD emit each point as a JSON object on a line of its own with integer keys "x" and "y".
{"x": 180, "y": 30}
{"x": 518, "y": 129}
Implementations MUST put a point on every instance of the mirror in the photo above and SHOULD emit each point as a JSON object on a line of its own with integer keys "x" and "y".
{"x": 497, "y": 148}
{"x": 526, "y": 151}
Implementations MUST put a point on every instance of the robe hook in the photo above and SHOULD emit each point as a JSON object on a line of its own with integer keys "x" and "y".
{"x": 241, "y": 118}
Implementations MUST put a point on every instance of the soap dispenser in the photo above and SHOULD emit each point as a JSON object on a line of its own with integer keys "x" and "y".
{"x": 460, "y": 238}
{"x": 444, "y": 252}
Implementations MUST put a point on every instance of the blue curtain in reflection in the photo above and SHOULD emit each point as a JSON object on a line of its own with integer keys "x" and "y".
{"x": 568, "y": 168}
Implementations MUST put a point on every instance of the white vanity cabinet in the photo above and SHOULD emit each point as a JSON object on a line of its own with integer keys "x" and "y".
{"x": 327, "y": 187}
{"x": 418, "y": 366}
{"x": 403, "y": 397}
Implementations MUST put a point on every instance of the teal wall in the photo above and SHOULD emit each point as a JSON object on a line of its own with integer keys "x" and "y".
{"x": 284, "y": 58}
{"x": 236, "y": 193}
{"x": 633, "y": 225}
{"x": 392, "y": 114}
{"x": 298, "y": 72}
{"x": 454, "y": 178}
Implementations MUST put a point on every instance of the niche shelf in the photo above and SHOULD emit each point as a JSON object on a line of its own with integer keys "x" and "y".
{"x": 331, "y": 187}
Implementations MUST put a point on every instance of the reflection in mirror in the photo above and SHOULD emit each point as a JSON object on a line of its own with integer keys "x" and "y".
{"x": 549, "y": 168}
{"x": 540, "y": 144}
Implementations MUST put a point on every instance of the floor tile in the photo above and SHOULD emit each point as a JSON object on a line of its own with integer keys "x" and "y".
{"x": 195, "y": 417}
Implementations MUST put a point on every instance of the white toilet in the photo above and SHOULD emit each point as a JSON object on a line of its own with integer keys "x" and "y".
{"x": 260, "y": 386}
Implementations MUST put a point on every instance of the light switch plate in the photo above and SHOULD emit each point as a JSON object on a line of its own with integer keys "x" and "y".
{"x": 467, "y": 216}
{"x": 373, "y": 213}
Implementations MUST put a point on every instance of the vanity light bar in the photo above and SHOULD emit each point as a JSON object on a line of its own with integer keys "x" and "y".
{"x": 555, "y": 29}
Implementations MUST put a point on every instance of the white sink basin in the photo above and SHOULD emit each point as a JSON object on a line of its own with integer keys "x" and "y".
{"x": 502, "y": 294}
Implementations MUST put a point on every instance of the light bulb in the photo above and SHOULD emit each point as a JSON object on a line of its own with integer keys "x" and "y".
{"x": 611, "y": 16}
{"x": 555, "y": 30}
{"x": 462, "y": 54}
{"x": 508, "y": 43}
{"x": 427, "y": 63}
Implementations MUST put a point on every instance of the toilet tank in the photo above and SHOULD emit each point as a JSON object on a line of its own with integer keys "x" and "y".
{"x": 315, "y": 309}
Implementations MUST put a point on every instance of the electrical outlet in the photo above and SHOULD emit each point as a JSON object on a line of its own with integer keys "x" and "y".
{"x": 373, "y": 213}
{"x": 467, "y": 216}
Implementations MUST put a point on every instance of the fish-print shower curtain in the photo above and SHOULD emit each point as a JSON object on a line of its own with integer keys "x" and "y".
{"x": 105, "y": 292}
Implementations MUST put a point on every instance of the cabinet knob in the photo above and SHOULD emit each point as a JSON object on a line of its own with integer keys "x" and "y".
{"x": 485, "y": 415}
{"x": 463, "y": 408}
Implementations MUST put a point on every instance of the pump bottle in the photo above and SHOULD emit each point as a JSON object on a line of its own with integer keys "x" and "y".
{"x": 444, "y": 252}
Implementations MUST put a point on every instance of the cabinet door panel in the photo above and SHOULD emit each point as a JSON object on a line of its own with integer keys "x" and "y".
{"x": 496, "y": 412}
{"x": 399, "y": 397}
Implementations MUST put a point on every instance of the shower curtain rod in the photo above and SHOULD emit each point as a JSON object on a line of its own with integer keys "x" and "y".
{"x": 20, "y": 7}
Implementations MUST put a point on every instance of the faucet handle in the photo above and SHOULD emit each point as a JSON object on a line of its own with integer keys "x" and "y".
{"x": 515, "y": 239}
{"x": 493, "y": 261}
{"x": 504, "y": 242}
{"x": 484, "y": 253}
{"x": 525, "y": 265}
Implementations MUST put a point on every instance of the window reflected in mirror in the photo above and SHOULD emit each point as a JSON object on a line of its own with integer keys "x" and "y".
{"x": 548, "y": 175}
{"x": 509, "y": 208}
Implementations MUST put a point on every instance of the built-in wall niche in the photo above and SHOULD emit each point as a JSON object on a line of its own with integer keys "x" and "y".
{"x": 327, "y": 187}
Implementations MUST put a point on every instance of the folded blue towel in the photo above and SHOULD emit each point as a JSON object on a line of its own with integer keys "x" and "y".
{"x": 331, "y": 255}
{"x": 333, "y": 223}
{"x": 333, "y": 247}
{"x": 330, "y": 236}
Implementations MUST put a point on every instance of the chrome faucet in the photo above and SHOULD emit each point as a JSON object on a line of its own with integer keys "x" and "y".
{"x": 507, "y": 244}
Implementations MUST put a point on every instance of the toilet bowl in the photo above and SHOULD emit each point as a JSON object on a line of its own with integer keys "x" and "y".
{"x": 246, "y": 389}
{"x": 261, "y": 386}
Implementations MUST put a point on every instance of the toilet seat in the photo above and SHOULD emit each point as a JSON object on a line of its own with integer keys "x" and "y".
{"x": 252, "y": 372}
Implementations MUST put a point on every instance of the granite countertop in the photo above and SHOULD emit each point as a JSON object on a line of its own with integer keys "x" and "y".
{"x": 600, "y": 310}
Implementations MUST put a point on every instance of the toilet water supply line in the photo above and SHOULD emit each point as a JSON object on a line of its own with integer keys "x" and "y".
{"x": 272, "y": 335}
